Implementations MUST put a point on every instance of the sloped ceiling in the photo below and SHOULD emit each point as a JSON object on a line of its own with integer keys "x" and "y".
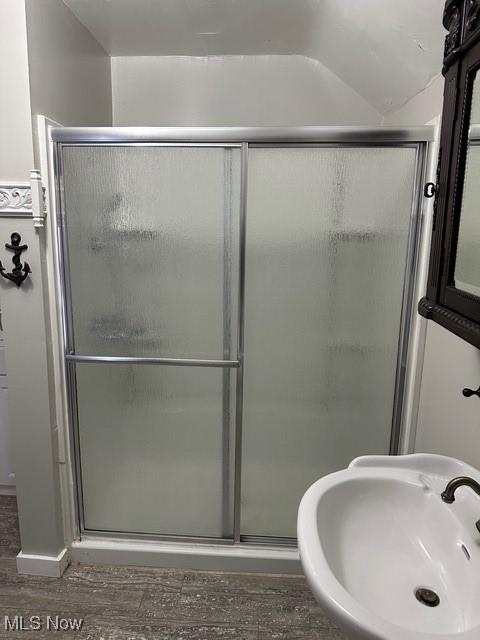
{"x": 386, "y": 50}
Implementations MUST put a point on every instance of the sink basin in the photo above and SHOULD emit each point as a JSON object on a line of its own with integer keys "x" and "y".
{"x": 371, "y": 536}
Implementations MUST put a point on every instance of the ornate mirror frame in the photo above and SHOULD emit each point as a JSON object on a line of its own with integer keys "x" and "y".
{"x": 456, "y": 310}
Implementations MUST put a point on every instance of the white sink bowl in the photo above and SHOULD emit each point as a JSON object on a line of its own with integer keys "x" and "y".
{"x": 371, "y": 535}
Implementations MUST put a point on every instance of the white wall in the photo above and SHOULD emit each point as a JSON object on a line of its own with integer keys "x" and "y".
{"x": 422, "y": 108}
{"x": 385, "y": 50}
{"x": 16, "y": 157}
{"x": 58, "y": 69}
{"x": 69, "y": 71}
{"x": 233, "y": 90}
{"x": 53, "y": 66}
{"x": 447, "y": 422}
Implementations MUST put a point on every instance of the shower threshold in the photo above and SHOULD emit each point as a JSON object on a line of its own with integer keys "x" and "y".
{"x": 249, "y": 558}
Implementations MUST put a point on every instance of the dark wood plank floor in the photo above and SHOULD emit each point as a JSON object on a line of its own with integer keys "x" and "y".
{"x": 138, "y": 603}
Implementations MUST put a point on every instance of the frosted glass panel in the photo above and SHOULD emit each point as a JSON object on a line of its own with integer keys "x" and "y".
{"x": 325, "y": 261}
{"x": 151, "y": 233}
{"x": 152, "y": 445}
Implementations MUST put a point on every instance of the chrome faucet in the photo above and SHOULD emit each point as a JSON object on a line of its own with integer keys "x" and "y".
{"x": 448, "y": 495}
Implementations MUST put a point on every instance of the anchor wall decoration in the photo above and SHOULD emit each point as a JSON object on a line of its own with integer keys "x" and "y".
{"x": 19, "y": 272}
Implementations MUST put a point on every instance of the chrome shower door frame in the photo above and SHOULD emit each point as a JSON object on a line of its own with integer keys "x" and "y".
{"x": 243, "y": 138}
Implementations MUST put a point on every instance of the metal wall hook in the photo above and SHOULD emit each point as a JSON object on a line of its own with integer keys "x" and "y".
{"x": 19, "y": 272}
{"x": 470, "y": 392}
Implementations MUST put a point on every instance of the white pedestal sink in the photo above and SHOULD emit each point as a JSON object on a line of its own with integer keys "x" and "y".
{"x": 371, "y": 535}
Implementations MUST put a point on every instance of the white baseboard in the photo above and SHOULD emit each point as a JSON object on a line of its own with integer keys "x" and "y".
{"x": 240, "y": 558}
{"x": 37, "y": 565}
{"x": 8, "y": 490}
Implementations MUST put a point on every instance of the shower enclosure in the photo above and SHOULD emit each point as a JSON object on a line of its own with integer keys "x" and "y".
{"x": 236, "y": 305}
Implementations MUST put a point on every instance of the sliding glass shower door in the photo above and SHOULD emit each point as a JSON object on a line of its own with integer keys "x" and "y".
{"x": 152, "y": 275}
{"x": 327, "y": 239}
{"x": 235, "y": 320}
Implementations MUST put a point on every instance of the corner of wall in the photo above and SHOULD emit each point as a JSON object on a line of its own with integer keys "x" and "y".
{"x": 70, "y": 75}
{"x": 421, "y": 108}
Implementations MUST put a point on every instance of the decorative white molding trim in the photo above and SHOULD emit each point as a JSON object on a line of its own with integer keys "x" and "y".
{"x": 16, "y": 199}
{"x": 49, "y": 566}
{"x": 24, "y": 200}
{"x": 37, "y": 198}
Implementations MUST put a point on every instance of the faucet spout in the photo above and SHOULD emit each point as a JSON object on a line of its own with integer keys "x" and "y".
{"x": 448, "y": 495}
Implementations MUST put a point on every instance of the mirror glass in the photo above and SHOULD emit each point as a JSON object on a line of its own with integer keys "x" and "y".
{"x": 467, "y": 264}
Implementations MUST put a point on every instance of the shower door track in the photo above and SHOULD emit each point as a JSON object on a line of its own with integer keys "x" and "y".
{"x": 229, "y": 137}
{"x": 242, "y": 135}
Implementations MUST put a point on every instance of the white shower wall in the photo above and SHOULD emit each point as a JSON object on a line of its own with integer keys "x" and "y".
{"x": 69, "y": 71}
{"x": 261, "y": 90}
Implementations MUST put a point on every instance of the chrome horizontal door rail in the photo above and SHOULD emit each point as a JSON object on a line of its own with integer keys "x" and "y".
{"x": 178, "y": 362}
{"x": 336, "y": 135}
